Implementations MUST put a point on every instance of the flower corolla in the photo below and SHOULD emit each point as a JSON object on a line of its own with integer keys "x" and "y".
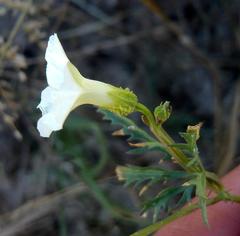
{"x": 67, "y": 89}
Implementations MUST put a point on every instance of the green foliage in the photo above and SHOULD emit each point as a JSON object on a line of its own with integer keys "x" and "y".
{"x": 190, "y": 147}
{"x": 147, "y": 176}
{"x": 163, "y": 199}
{"x": 133, "y": 175}
{"x": 148, "y": 146}
{"x": 201, "y": 185}
{"x": 186, "y": 195}
{"x": 144, "y": 142}
{"x": 200, "y": 181}
{"x": 138, "y": 175}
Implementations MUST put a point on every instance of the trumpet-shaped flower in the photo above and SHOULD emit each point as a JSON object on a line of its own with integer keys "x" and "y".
{"x": 67, "y": 89}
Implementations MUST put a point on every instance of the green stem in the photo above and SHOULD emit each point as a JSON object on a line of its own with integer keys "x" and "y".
{"x": 184, "y": 211}
{"x": 212, "y": 180}
{"x": 177, "y": 154}
{"x": 232, "y": 198}
{"x": 165, "y": 139}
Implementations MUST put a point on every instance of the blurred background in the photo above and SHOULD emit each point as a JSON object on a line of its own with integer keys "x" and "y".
{"x": 186, "y": 52}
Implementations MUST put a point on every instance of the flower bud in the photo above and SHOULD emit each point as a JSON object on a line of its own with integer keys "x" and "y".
{"x": 162, "y": 112}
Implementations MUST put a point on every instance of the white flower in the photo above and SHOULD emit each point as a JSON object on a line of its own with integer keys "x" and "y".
{"x": 68, "y": 89}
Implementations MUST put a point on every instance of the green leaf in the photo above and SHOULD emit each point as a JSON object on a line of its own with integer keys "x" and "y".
{"x": 201, "y": 184}
{"x": 129, "y": 127}
{"x": 181, "y": 146}
{"x": 135, "y": 133}
{"x": 189, "y": 148}
{"x": 189, "y": 138}
{"x": 150, "y": 146}
{"x": 163, "y": 197}
{"x": 135, "y": 174}
{"x": 116, "y": 119}
{"x": 162, "y": 200}
{"x": 192, "y": 161}
{"x": 186, "y": 195}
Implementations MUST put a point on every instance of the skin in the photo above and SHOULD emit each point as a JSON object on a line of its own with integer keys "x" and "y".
{"x": 224, "y": 217}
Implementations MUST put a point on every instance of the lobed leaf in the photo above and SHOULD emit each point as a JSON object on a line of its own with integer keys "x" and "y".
{"x": 162, "y": 201}
{"x": 134, "y": 133}
{"x": 201, "y": 184}
{"x": 136, "y": 174}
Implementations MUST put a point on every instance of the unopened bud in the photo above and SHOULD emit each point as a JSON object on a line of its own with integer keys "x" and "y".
{"x": 162, "y": 112}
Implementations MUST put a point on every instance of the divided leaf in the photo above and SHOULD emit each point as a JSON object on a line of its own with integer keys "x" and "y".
{"x": 186, "y": 195}
{"x": 146, "y": 146}
{"x": 138, "y": 175}
{"x": 190, "y": 147}
{"x": 143, "y": 141}
{"x": 162, "y": 202}
{"x": 200, "y": 182}
{"x": 133, "y": 175}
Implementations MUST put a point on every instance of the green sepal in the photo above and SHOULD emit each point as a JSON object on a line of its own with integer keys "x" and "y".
{"x": 124, "y": 101}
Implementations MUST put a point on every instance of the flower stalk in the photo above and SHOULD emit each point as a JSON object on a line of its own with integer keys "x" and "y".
{"x": 164, "y": 138}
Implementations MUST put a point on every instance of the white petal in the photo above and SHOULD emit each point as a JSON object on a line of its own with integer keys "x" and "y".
{"x": 55, "y": 53}
{"x": 55, "y": 106}
{"x": 48, "y": 98}
{"x": 55, "y": 76}
{"x": 67, "y": 89}
{"x": 56, "y": 62}
{"x": 69, "y": 82}
{"x": 46, "y": 124}
{"x": 63, "y": 105}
